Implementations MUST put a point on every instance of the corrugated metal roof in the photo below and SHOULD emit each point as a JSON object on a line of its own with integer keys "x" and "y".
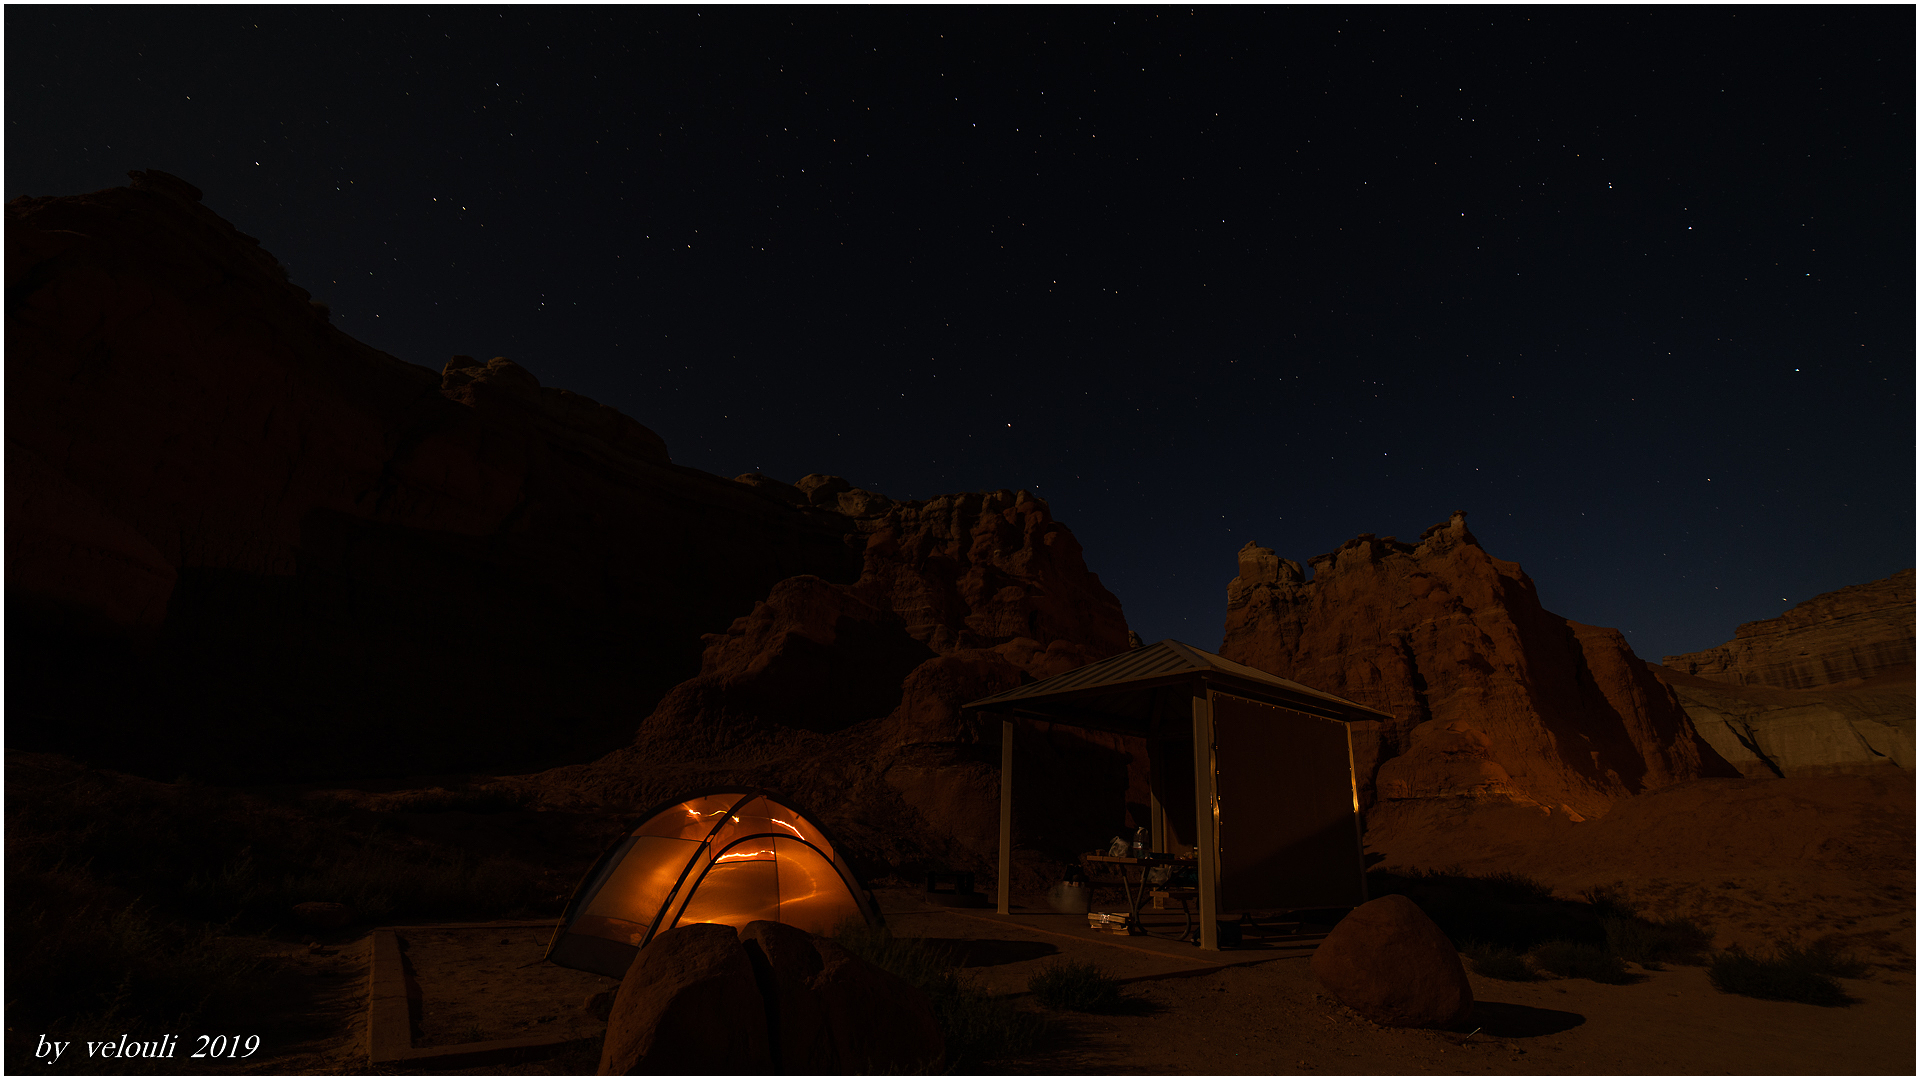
{"x": 1159, "y": 661}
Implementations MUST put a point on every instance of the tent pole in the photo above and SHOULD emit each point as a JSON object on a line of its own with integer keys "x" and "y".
{"x": 1206, "y": 837}
{"x": 1006, "y": 813}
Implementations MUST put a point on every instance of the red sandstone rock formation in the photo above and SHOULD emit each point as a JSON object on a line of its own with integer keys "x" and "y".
{"x": 847, "y": 697}
{"x": 980, "y": 589}
{"x": 238, "y": 537}
{"x": 1853, "y": 633}
{"x": 234, "y": 532}
{"x": 1493, "y": 695}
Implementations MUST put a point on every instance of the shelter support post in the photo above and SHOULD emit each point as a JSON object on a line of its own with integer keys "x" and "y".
{"x": 1006, "y": 814}
{"x": 1205, "y": 821}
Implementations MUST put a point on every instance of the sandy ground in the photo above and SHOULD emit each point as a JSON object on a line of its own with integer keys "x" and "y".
{"x": 1270, "y": 1016}
{"x": 1259, "y": 1010}
{"x": 477, "y": 985}
{"x": 1763, "y": 862}
{"x": 1760, "y": 861}
{"x": 323, "y": 997}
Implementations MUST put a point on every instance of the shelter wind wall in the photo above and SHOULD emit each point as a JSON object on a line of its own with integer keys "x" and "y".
{"x": 1287, "y": 819}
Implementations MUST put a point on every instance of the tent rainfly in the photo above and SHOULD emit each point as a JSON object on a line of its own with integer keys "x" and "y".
{"x": 722, "y": 857}
{"x": 1249, "y": 773}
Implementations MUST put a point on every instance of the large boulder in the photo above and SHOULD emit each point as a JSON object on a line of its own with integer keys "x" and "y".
{"x": 689, "y": 1005}
{"x": 834, "y": 1013}
{"x": 1388, "y": 962}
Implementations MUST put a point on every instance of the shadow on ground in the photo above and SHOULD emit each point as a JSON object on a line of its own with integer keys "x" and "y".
{"x": 1501, "y": 1020}
{"x": 989, "y": 952}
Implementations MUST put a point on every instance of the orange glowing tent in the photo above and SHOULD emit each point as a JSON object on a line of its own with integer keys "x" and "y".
{"x": 721, "y": 857}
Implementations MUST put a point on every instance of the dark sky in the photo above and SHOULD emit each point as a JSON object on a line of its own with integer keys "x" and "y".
{"x": 1634, "y": 288}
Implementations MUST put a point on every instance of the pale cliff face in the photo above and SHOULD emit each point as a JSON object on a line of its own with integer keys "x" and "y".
{"x": 1826, "y": 688}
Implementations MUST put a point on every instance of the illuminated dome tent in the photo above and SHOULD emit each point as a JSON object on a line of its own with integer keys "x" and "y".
{"x": 723, "y": 857}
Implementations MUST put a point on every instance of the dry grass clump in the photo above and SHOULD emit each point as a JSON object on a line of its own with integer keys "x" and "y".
{"x": 1075, "y": 986}
{"x": 1506, "y": 910}
{"x": 1496, "y": 962}
{"x": 1652, "y": 943}
{"x": 1577, "y": 960}
{"x": 1512, "y": 927}
{"x": 1790, "y": 973}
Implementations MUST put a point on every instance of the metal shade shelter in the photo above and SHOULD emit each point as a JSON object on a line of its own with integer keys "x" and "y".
{"x": 721, "y": 857}
{"x": 1250, "y": 772}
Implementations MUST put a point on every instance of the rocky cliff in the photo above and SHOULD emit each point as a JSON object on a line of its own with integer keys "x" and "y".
{"x": 240, "y": 541}
{"x": 846, "y": 696}
{"x": 1494, "y": 697}
{"x": 1827, "y": 688}
{"x": 1853, "y": 633}
{"x": 1861, "y": 725}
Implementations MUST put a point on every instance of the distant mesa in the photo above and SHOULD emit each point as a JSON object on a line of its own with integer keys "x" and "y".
{"x": 1859, "y": 632}
{"x": 1494, "y": 697}
{"x": 1827, "y": 688}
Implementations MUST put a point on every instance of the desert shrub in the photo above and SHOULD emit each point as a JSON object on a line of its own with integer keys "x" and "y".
{"x": 1496, "y": 962}
{"x": 1610, "y": 902}
{"x": 1790, "y": 974}
{"x": 1579, "y": 960}
{"x": 1651, "y": 943}
{"x": 222, "y": 857}
{"x": 99, "y": 964}
{"x": 125, "y": 897}
{"x": 385, "y": 883}
{"x": 1516, "y": 888}
{"x": 376, "y": 881}
{"x": 1825, "y": 958}
{"x": 1075, "y": 986}
{"x": 977, "y": 1026}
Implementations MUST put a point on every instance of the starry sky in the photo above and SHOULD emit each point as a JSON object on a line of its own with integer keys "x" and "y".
{"x": 1634, "y": 288}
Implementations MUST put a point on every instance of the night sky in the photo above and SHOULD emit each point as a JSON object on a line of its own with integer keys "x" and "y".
{"x": 1634, "y": 288}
